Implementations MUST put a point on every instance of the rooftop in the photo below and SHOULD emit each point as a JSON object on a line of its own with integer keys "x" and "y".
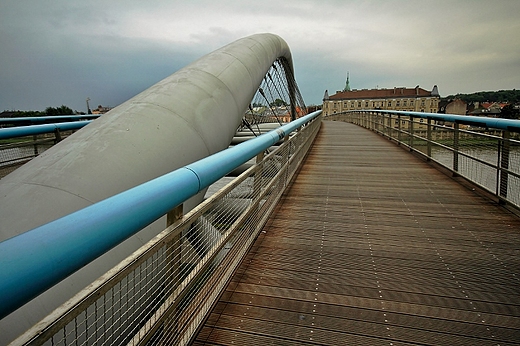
{"x": 382, "y": 93}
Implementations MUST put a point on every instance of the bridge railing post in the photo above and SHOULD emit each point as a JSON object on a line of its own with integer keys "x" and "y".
{"x": 429, "y": 141}
{"x": 35, "y": 145}
{"x": 399, "y": 130}
{"x": 389, "y": 126}
{"x": 285, "y": 158}
{"x": 411, "y": 133}
{"x": 504, "y": 166}
{"x": 257, "y": 181}
{"x": 174, "y": 247}
{"x": 57, "y": 136}
{"x": 456, "y": 148}
{"x": 382, "y": 123}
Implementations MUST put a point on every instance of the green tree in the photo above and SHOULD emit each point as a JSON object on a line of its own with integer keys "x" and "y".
{"x": 509, "y": 112}
{"x": 278, "y": 103}
{"x": 28, "y": 114}
{"x": 509, "y": 96}
{"x": 62, "y": 110}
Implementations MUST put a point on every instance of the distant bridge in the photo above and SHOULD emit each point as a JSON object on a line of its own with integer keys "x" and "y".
{"x": 327, "y": 269}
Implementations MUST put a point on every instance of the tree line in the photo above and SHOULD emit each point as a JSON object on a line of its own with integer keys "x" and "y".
{"x": 506, "y": 96}
{"x": 49, "y": 111}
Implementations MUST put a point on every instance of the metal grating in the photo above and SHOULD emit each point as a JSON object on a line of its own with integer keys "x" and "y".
{"x": 372, "y": 246}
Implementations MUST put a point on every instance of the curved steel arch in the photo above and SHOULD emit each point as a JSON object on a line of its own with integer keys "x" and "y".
{"x": 185, "y": 117}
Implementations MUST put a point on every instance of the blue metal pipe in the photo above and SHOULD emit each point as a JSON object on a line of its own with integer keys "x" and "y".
{"x": 39, "y": 120}
{"x": 495, "y": 123}
{"x": 36, "y": 260}
{"x": 21, "y": 131}
{"x": 216, "y": 166}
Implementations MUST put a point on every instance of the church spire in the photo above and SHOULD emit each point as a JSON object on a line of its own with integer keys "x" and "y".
{"x": 347, "y": 84}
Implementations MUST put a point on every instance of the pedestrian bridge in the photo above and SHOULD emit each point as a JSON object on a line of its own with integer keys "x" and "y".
{"x": 364, "y": 228}
{"x": 373, "y": 246}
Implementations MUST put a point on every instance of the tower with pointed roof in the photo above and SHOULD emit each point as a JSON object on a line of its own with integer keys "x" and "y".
{"x": 347, "y": 84}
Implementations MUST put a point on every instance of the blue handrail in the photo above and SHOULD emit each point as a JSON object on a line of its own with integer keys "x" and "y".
{"x": 496, "y": 123}
{"x": 21, "y": 131}
{"x": 34, "y": 261}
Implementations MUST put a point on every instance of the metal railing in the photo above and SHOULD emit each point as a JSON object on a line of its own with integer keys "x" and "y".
{"x": 486, "y": 151}
{"x": 162, "y": 292}
{"x": 24, "y": 121}
{"x": 21, "y": 144}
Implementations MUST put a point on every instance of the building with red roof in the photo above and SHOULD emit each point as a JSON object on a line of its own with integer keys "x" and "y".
{"x": 399, "y": 98}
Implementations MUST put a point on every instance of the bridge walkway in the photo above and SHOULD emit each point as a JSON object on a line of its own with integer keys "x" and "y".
{"x": 373, "y": 246}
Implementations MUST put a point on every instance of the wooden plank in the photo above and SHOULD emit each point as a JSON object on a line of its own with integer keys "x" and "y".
{"x": 372, "y": 246}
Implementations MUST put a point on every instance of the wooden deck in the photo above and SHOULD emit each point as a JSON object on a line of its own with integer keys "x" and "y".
{"x": 372, "y": 246}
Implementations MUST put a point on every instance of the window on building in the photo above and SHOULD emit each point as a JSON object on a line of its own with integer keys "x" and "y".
{"x": 389, "y": 103}
{"x": 397, "y": 104}
{"x": 366, "y": 104}
{"x": 359, "y": 104}
{"x": 404, "y": 103}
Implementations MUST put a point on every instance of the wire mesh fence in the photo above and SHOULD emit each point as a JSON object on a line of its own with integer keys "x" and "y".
{"x": 487, "y": 157}
{"x": 15, "y": 152}
{"x": 163, "y": 292}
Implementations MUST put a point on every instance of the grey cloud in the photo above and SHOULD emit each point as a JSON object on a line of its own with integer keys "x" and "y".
{"x": 61, "y": 52}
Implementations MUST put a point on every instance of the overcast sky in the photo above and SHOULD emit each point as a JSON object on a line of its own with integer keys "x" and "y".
{"x": 63, "y": 51}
